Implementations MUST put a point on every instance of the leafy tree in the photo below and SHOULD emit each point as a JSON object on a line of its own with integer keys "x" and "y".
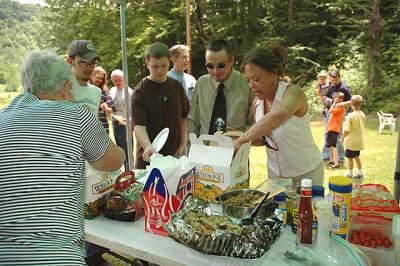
{"x": 19, "y": 28}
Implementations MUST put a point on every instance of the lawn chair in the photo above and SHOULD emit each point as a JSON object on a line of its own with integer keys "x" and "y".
{"x": 386, "y": 119}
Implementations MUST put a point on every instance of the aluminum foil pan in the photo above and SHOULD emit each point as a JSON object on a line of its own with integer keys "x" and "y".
{"x": 214, "y": 233}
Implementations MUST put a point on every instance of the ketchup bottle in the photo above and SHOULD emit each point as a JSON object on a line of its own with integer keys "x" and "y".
{"x": 304, "y": 227}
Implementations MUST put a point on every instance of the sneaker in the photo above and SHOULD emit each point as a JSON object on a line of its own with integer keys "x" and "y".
{"x": 358, "y": 176}
{"x": 329, "y": 163}
{"x": 349, "y": 175}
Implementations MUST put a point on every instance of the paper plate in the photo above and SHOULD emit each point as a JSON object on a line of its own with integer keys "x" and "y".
{"x": 160, "y": 139}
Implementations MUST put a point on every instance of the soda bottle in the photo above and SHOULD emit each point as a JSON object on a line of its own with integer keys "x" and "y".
{"x": 304, "y": 227}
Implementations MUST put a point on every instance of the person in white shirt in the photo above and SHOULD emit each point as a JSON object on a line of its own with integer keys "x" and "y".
{"x": 119, "y": 118}
{"x": 179, "y": 55}
{"x": 282, "y": 119}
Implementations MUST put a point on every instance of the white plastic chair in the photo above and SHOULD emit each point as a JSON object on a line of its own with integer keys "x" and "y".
{"x": 386, "y": 120}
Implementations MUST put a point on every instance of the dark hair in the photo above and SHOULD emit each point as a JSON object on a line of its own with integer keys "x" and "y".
{"x": 269, "y": 58}
{"x": 219, "y": 45}
{"x": 156, "y": 50}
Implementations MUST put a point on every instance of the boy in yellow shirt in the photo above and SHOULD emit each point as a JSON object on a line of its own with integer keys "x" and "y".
{"x": 353, "y": 136}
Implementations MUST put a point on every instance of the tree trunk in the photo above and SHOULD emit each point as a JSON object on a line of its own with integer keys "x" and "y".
{"x": 375, "y": 33}
{"x": 290, "y": 11}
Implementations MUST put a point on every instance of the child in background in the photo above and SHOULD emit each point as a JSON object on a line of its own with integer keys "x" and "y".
{"x": 353, "y": 136}
{"x": 322, "y": 90}
{"x": 337, "y": 111}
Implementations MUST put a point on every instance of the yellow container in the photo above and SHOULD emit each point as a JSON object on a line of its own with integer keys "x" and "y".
{"x": 340, "y": 198}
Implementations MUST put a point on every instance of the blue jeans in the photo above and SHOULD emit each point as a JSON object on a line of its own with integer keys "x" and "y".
{"x": 325, "y": 150}
{"x": 120, "y": 140}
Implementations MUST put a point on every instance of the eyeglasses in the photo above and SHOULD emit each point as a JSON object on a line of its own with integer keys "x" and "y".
{"x": 270, "y": 143}
{"x": 99, "y": 77}
{"x": 219, "y": 65}
{"x": 84, "y": 64}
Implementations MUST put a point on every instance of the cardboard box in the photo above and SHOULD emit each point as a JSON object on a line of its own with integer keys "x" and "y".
{"x": 160, "y": 203}
{"x": 217, "y": 170}
{"x": 98, "y": 184}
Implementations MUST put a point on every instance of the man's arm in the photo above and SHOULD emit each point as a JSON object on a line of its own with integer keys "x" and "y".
{"x": 183, "y": 134}
{"x": 143, "y": 139}
{"x": 193, "y": 119}
{"x": 112, "y": 159}
{"x": 250, "y": 114}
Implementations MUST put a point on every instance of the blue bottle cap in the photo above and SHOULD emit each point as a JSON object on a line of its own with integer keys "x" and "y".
{"x": 318, "y": 191}
{"x": 280, "y": 197}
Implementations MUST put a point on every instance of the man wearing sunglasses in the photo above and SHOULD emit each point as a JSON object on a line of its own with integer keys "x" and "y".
{"x": 222, "y": 98}
{"x": 82, "y": 58}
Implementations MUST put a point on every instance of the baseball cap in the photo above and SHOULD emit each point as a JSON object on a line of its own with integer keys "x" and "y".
{"x": 334, "y": 73}
{"x": 322, "y": 74}
{"x": 85, "y": 49}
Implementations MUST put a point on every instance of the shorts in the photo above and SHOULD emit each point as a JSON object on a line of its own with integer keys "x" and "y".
{"x": 331, "y": 139}
{"x": 352, "y": 154}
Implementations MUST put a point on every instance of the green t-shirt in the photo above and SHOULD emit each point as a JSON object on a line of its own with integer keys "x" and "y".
{"x": 88, "y": 96}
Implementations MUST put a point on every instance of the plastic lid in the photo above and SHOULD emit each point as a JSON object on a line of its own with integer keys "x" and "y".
{"x": 323, "y": 207}
{"x": 396, "y": 225}
{"x": 306, "y": 183}
{"x": 318, "y": 191}
{"x": 280, "y": 197}
{"x": 340, "y": 181}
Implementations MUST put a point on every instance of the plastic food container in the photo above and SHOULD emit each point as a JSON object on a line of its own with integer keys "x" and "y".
{"x": 396, "y": 237}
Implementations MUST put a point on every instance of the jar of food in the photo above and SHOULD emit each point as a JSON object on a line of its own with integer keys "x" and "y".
{"x": 281, "y": 210}
{"x": 295, "y": 211}
{"x": 317, "y": 195}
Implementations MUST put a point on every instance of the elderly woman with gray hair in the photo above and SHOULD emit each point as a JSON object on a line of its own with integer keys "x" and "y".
{"x": 45, "y": 139}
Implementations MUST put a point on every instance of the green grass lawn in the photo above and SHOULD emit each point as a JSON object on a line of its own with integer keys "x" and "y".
{"x": 378, "y": 158}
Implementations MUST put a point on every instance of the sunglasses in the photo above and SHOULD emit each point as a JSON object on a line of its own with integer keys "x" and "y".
{"x": 270, "y": 143}
{"x": 219, "y": 66}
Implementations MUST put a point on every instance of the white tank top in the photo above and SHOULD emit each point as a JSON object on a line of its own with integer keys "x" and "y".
{"x": 298, "y": 153}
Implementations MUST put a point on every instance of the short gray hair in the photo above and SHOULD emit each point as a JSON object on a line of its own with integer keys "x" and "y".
{"x": 45, "y": 72}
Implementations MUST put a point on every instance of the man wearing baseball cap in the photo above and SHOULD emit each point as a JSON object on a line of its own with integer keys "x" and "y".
{"x": 82, "y": 57}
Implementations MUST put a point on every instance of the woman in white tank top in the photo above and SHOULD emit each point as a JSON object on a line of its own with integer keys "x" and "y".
{"x": 282, "y": 119}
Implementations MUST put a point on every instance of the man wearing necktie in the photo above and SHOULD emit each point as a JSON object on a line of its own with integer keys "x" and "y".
{"x": 222, "y": 98}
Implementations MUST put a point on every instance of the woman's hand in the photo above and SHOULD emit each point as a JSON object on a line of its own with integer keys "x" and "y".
{"x": 240, "y": 141}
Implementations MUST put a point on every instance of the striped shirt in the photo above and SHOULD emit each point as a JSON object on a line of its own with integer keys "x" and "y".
{"x": 43, "y": 147}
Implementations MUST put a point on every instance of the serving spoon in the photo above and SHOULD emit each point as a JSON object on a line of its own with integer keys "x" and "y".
{"x": 250, "y": 220}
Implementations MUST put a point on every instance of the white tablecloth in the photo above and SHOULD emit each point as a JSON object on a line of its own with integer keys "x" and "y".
{"x": 131, "y": 239}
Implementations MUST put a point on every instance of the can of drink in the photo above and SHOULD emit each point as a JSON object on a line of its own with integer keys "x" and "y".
{"x": 340, "y": 199}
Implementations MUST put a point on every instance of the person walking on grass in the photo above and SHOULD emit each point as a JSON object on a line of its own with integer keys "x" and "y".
{"x": 353, "y": 136}
{"x": 333, "y": 128}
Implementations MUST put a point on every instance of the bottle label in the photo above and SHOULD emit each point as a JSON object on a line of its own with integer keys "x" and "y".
{"x": 306, "y": 192}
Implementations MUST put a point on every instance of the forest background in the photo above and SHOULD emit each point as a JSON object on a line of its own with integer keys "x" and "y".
{"x": 358, "y": 36}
